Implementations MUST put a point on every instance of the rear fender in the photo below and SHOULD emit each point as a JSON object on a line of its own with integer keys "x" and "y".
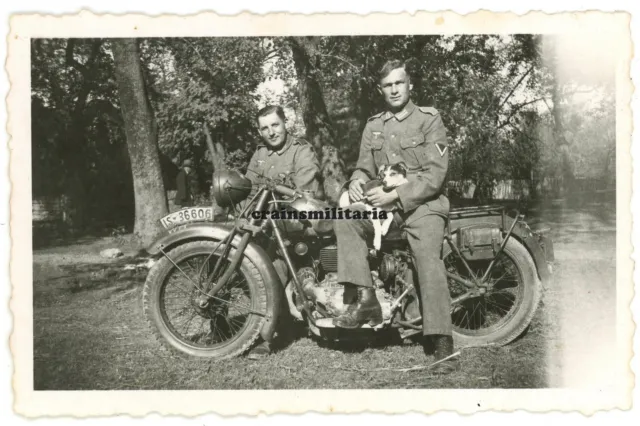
{"x": 255, "y": 253}
{"x": 530, "y": 241}
{"x": 521, "y": 232}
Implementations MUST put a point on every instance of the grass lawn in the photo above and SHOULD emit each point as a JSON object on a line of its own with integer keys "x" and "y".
{"x": 90, "y": 333}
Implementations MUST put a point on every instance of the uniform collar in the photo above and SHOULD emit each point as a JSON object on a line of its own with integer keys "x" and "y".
{"x": 406, "y": 111}
{"x": 287, "y": 144}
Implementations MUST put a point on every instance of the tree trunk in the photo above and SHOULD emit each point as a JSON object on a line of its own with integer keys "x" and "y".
{"x": 217, "y": 153}
{"x": 319, "y": 129}
{"x": 560, "y": 136}
{"x": 139, "y": 123}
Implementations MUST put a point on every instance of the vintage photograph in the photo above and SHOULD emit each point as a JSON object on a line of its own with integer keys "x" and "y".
{"x": 309, "y": 211}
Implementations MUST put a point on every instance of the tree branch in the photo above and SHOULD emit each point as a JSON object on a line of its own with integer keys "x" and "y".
{"x": 209, "y": 140}
{"x": 72, "y": 62}
{"x": 515, "y": 87}
{"x": 517, "y": 129}
{"x": 85, "y": 70}
{"x": 274, "y": 53}
{"x": 341, "y": 59}
{"x": 518, "y": 108}
{"x": 212, "y": 72}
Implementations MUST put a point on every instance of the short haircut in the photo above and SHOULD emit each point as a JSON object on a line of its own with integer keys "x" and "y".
{"x": 390, "y": 66}
{"x": 270, "y": 109}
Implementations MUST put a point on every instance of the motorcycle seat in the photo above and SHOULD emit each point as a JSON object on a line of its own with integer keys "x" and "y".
{"x": 395, "y": 234}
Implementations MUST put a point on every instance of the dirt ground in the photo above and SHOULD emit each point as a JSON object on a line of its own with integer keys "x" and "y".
{"x": 90, "y": 333}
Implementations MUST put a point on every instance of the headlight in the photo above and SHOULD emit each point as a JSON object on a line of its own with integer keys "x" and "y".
{"x": 230, "y": 187}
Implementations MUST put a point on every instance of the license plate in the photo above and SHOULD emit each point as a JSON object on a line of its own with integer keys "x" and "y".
{"x": 187, "y": 215}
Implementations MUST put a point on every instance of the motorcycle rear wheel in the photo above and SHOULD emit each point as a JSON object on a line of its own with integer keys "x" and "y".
{"x": 512, "y": 311}
{"x": 167, "y": 333}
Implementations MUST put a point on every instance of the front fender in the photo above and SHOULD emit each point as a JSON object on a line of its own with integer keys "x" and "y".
{"x": 256, "y": 254}
{"x": 193, "y": 231}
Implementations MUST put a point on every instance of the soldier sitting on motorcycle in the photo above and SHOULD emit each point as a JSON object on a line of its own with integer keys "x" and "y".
{"x": 281, "y": 153}
{"x": 416, "y": 136}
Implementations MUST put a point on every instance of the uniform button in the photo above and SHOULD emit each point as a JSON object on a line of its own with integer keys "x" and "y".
{"x": 272, "y": 167}
{"x": 393, "y": 136}
{"x": 394, "y": 155}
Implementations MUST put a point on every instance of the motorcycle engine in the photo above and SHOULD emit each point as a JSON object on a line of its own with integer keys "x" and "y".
{"x": 328, "y": 293}
{"x": 329, "y": 258}
{"x": 390, "y": 273}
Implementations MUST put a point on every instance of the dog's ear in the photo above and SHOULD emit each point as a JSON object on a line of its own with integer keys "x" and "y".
{"x": 403, "y": 168}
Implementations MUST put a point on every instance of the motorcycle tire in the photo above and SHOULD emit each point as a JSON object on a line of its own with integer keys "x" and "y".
{"x": 152, "y": 293}
{"x": 524, "y": 313}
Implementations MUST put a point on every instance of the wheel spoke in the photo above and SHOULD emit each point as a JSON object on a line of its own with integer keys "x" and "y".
{"x": 474, "y": 312}
{"x": 220, "y": 319}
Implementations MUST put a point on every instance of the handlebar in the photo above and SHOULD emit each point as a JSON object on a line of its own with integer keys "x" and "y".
{"x": 284, "y": 190}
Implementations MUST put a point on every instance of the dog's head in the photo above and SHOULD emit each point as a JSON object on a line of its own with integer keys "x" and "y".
{"x": 392, "y": 175}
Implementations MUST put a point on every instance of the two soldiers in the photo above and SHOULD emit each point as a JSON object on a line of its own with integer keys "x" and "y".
{"x": 405, "y": 133}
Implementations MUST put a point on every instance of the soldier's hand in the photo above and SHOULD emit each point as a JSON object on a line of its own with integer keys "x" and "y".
{"x": 378, "y": 197}
{"x": 355, "y": 190}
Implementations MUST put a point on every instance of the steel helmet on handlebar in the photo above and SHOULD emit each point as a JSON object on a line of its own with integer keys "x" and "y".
{"x": 230, "y": 187}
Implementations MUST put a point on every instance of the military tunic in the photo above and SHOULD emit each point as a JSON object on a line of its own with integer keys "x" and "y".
{"x": 296, "y": 159}
{"x": 417, "y": 137}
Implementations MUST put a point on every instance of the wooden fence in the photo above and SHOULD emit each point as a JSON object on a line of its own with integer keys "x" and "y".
{"x": 548, "y": 188}
{"x": 53, "y": 212}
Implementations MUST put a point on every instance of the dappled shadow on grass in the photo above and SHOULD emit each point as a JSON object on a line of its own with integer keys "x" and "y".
{"x": 108, "y": 346}
{"x": 58, "y": 234}
{"x": 97, "y": 280}
{"x": 93, "y": 335}
{"x": 66, "y": 241}
{"x": 90, "y": 333}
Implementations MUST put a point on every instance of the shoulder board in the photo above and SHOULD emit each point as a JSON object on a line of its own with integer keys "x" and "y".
{"x": 429, "y": 110}
{"x": 300, "y": 141}
{"x": 378, "y": 115}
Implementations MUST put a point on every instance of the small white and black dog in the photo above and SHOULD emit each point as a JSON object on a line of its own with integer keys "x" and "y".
{"x": 389, "y": 176}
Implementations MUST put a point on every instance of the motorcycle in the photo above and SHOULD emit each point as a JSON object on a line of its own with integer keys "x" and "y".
{"x": 217, "y": 287}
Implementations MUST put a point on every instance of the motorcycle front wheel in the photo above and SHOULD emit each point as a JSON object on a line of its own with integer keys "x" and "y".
{"x": 188, "y": 323}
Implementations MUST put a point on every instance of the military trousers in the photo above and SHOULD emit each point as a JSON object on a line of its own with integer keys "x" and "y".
{"x": 425, "y": 236}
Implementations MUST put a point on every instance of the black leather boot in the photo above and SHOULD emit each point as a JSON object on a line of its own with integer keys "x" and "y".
{"x": 350, "y": 294}
{"x": 443, "y": 347}
{"x": 366, "y": 309}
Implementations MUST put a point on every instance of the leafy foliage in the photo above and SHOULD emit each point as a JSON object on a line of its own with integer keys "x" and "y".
{"x": 468, "y": 78}
{"x": 78, "y": 141}
{"x": 205, "y": 80}
{"x": 510, "y": 111}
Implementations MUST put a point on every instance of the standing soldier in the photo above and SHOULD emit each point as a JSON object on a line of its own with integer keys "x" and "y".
{"x": 185, "y": 184}
{"x": 279, "y": 154}
{"x": 416, "y": 136}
